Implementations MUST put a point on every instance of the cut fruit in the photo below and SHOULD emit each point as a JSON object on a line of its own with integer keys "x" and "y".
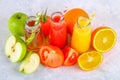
{"x": 70, "y": 56}
{"x": 71, "y": 17}
{"x": 90, "y": 60}
{"x": 51, "y": 56}
{"x": 15, "y": 49}
{"x": 103, "y": 39}
{"x": 30, "y": 64}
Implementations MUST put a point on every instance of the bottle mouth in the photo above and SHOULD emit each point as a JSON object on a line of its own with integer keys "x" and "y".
{"x": 57, "y": 17}
{"x": 30, "y": 23}
{"x": 83, "y": 22}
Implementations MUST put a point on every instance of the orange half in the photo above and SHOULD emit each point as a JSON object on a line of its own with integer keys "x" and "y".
{"x": 90, "y": 60}
{"x": 103, "y": 39}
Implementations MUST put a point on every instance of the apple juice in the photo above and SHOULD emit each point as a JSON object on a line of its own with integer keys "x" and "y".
{"x": 37, "y": 41}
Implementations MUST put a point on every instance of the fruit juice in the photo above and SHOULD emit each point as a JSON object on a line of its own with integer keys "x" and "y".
{"x": 37, "y": 41}
{"x": 58, "y": 30}
{"x": 81, "y": 35}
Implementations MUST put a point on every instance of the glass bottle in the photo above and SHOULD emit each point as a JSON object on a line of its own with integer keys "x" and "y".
{"x": 37, "y": 41}
{"x": 58, "y": 30}
{"x": 81, "y": 36}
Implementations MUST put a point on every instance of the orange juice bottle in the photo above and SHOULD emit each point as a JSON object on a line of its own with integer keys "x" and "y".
{"x": 81, "y": 36}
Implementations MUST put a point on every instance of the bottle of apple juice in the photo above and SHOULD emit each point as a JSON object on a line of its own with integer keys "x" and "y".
{"x": 37, "y": 40}
{"x": 81, "y": 36}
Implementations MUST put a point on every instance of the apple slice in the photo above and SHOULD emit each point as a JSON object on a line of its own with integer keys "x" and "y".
{"x": 15, "y": 49}
{"x": 30, "y": 64}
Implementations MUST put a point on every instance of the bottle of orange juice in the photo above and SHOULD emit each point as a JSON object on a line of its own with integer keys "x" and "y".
{"x": 81, "y": 36}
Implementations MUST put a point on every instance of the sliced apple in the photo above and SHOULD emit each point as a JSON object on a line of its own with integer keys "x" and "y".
{"x": 15, "y": 49}
{"x": 30, "y": 64}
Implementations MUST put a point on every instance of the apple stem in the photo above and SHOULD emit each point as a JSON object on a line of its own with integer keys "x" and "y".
{"x": 18, "y": 16}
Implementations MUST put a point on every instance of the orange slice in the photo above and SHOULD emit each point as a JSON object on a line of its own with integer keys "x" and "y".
{"x": 90, "y": 60}
{"x": 103, "y": 39}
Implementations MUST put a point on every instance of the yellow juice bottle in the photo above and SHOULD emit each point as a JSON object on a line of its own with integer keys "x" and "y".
{"x": 81, "y": 36}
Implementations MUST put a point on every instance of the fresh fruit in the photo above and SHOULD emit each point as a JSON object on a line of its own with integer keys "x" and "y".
{"x": 30, "y": 63}
{"x": 16, "y": 23}
{"x": 51, "y": 56}
{"x": 15, "y": 48}
{"x": 103, "y": 39}
{"x": 70, "y": 56}
{"x": 71, "y": 17}
{"x": 90, "y": 60}
{"x": 45, "y": 24}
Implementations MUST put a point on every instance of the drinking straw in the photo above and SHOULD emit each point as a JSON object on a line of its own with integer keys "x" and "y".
{"x": 37, "y": 18}
{"x": 92, "y": 16}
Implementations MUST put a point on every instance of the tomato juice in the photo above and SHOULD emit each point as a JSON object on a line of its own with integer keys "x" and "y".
{"x": 58, "y": 30}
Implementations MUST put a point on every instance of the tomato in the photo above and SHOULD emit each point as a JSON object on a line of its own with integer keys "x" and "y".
{"x": 70, "y": 56}
{"x": 51, "y": 56}
{"x": 45, "y": 26}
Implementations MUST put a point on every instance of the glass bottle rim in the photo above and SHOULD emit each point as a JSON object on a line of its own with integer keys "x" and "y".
{"x": 30, "y": 18}
{"x": 59, "y": 13}
{"x": 81, "y": 17}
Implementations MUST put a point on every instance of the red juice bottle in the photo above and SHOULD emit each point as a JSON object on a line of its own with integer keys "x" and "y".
{"x": 58, "y": 30}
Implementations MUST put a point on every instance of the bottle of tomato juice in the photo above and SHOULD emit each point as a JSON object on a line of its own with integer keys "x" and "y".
{"x": 58, "y": 30}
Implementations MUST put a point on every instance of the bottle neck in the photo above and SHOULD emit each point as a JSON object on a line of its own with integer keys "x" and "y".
{"x": 57, "y": 17}
{"x": 83, "y": 22}
{"x": 30, "y": 24}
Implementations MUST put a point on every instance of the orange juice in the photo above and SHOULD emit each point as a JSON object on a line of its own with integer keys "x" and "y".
{"x": 81, "y": 36}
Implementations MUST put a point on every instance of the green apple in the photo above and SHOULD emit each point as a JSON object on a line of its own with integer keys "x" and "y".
{"x": 30, "y": 63}
{"x": 16, "y": 23}
{"x": 15, "y": 48}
